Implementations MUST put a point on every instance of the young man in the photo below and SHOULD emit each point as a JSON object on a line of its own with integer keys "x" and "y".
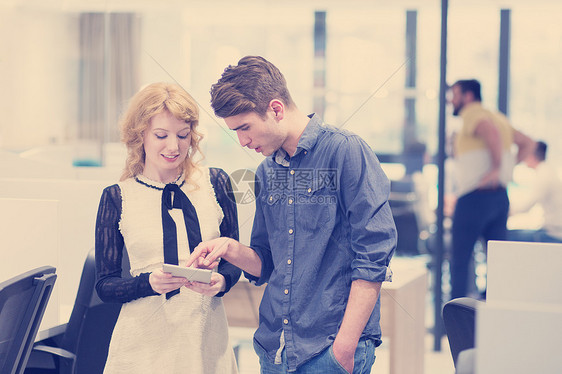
{"x": 323, "y": 232}
{"x": 545, "y": 191}
{"x": 484, "y": 164}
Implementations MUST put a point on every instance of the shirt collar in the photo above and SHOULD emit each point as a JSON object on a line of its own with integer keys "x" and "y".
{"x": 307, "y": 141}
{"x": 157, "y": 185}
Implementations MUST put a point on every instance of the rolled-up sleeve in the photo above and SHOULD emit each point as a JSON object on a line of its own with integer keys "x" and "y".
{"x": 364, "y": 196}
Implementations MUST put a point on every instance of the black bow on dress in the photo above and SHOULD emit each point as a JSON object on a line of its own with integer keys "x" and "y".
{"x": 174, "y": 197}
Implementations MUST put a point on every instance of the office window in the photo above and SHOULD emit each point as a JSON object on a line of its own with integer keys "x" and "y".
{"x": 536, "y": 58}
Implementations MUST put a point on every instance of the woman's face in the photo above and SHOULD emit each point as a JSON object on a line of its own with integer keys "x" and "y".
{"x": 166, "y": 143}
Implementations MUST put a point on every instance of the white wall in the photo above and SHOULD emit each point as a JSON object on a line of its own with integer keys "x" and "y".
{"x": 29, "y": 241}
{"x": 47, "y": 217}
{"x": 39, "y": 65}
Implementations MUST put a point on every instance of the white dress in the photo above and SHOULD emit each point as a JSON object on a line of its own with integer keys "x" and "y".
{"x": 187, "y": 333}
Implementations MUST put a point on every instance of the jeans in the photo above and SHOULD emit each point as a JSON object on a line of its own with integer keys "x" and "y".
{"x": 323, "y": 363}
{"x": 478, "y": 214}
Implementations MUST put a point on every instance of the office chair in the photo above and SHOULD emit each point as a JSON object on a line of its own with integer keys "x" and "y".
{"x": 402, "y": 203}
{"x": 23, "y": 300}
{"x": 81, "y": 345}
{"x": 459, "y": 317}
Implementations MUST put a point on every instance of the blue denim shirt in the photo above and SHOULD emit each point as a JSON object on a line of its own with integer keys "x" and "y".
{"x": 322, "y": 221}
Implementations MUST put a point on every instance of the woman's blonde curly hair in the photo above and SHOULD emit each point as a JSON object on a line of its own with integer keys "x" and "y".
{"x": 143, "y": 106}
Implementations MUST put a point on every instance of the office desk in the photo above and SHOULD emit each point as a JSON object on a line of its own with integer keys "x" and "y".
{"x": 402, "y": 313}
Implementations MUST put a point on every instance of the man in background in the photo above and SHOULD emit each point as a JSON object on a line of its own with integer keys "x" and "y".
{"x": 484, "y": 165}
{"x": 546, "y": 191}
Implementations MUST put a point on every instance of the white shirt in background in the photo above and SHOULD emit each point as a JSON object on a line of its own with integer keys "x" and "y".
{"x": 546, "y": 190}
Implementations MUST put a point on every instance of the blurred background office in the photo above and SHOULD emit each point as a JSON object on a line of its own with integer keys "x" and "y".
{"x": 67, "y": 69}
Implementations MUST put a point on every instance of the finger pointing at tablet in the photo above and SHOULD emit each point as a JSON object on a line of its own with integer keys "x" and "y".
{"x": 207, "y": 254}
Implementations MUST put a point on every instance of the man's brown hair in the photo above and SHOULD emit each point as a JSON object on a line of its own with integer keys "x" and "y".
{"x": 249, "y": 87}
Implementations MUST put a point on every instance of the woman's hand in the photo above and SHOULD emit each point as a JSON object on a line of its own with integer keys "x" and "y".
{"x": 218, "y": 284}
{"x": 164, "y": 282}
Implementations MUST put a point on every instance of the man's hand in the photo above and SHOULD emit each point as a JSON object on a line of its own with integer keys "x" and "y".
{"x": 345, "y": 354}
{"x": 164, "y": 282}
{"x": 362, "y": 299}
{"x": 218, "y": 284}
{"x": 208, "y": 254}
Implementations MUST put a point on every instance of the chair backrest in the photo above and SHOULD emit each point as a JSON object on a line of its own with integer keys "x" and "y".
{"x": 90, "y": 326}
{"x": 402, "y": 204}
{"x": 23, "y": 300}
{"x": 459, "y": 317}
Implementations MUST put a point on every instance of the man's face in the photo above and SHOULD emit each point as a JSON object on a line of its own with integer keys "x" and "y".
{"x": 458, "y": 101}
{"x": 264, "y": 135}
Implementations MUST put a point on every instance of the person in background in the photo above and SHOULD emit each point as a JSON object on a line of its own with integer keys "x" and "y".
{"x": 164, "y": 205}
{"x": 484, "y": 165}
{"x": 546, "y": 191}
{"x": 323, "y": 233}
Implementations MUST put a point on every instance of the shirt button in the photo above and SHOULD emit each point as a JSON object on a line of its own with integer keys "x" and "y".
{"x": 286, "y": 292}
{"x": 271, "y": 198}
{"x": 309, "y": 190}
{"x": 290, "y": 231}
{"x": 290, "y": 201}
{"x": 289, "y": 261}
{"x": 292, "y": 172}
{"x": 305, "y": 152}
{"x": 286, "y": 321}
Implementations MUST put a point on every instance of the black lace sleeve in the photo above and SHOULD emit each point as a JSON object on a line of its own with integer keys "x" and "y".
{"x": 229, "y": 226}
{"x": 110, "y": 285}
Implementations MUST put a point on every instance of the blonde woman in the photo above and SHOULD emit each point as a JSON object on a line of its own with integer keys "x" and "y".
{"x": 163, "y": 206}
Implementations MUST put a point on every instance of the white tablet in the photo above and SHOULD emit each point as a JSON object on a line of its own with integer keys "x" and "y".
{"x": 191, "y": 274}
